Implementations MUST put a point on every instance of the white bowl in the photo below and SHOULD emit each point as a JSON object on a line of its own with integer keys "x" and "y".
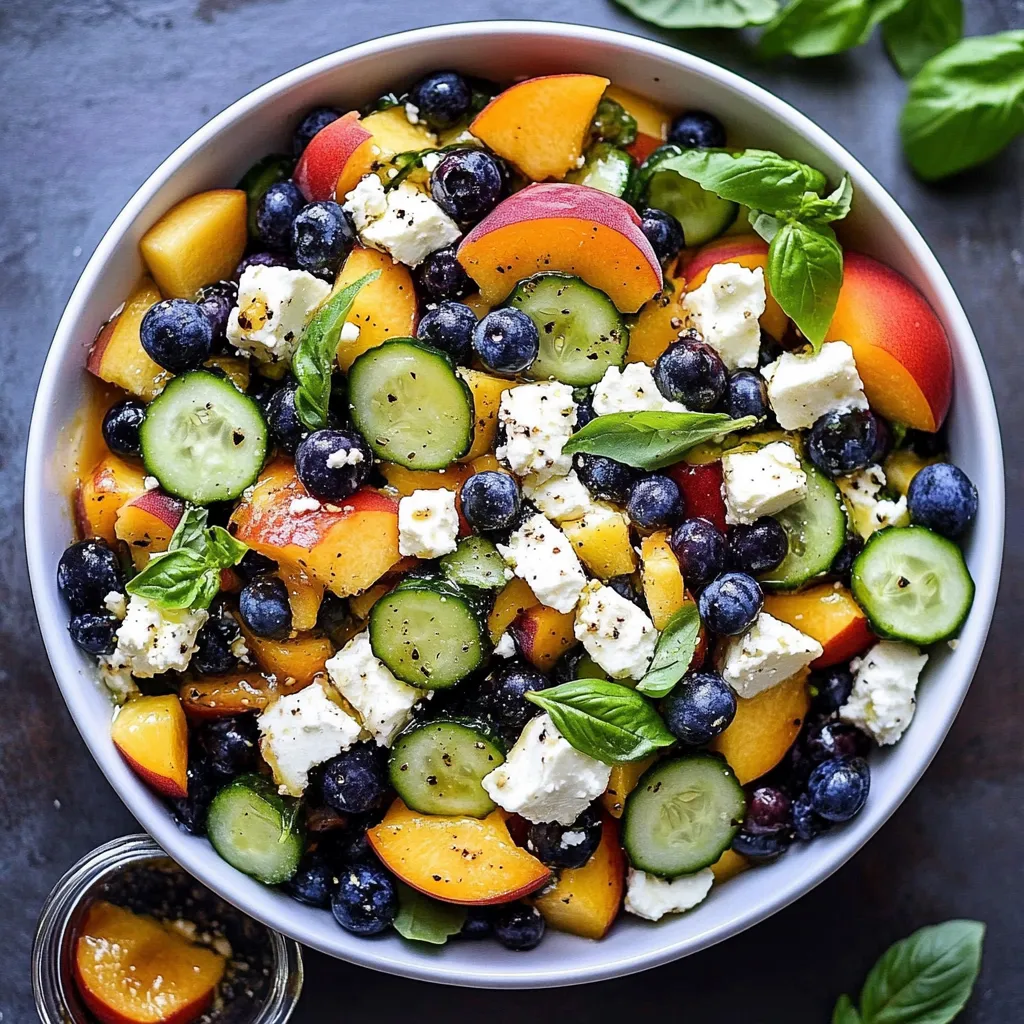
{"x": 260, "y": 123}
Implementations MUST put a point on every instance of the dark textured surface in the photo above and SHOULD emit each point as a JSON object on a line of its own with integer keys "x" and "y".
{"x": 96, "y": 93}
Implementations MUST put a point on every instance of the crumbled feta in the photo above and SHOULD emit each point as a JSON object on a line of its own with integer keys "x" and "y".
{"x": 301, "y": 730}
{"x": 882, "y": 701}
{"x": 869, "y": 512}
{"x": 117, "y": 677}
{"x": 538, "y": 420}
{"x": 541, "y": 554}
{"x": 344, "y": 457}
{"x": 412, "y": 227}
{"x": 651, "y": 897}
{"x": 367, "y": 202}
{"x": 349, "y": 332}
{"x": 304, "y": 504}
{"x": 431, "y": 160}
{"x": 560, "y": 498}
{"x": 152, "y": 640}
{"x": 239, "y": 648}
{"x": 116, "y": 603}
{"x": 761, "y": 482}
{"x": 768, "y": 653}
{"x": 384, "y": 703}
{"x": 151, "y": 483}
{"x": 544, "y": 778}
{"x": 803, "y": 387}
{"x": 506, "y": 646}
{"x": 412, "y": 113}
{"x": 630, "y": 389}
{"x": 428, "y": 523}
{"x": 725, "y": 310}
{"x": 615, "y": 632}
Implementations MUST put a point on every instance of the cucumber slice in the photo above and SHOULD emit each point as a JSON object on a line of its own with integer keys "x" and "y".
{"x": 255, "y": 182}
{"x": 203, "y": 439}
{"x": 607, "y": 168}
{"x": 429, "y": 632}
{"x": 437, "y": 768}
{"x": 913, "y": 584}
{"x": 683, "y": 815}
{"x": 581, "y": 331}
{"x": 256, "y": 830}
{"x": 410, "y": 405}
{"x": 703, "y": 215}
{"x": 475, "y": 563}
{"x": 816, "y": 528}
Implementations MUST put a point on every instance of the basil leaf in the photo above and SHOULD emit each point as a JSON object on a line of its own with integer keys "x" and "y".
{"x": 845, "y": 1012}
{"x": 673, "y": 654}
{"x": 190, "y": 531}
{"x": 651, "y": 440}
{"x": 764, "y": 224}
{"x": 313, "y": 361}
{"x": 965, "y": 105}
{"x": 606, "y": 720}
{"x": 919, "y": 30}
{"x": 422, "y": 919}
{"x": 925, "y": 979}
{"x": 223, "y": 551}
{"x": 702, "y": 13}
{"x": 208, "y": 589}
{"x": 816, "y": 28}
{"x": 815, "y": 209}
{"x": 172, "y": 580}
{"x": 805, "y": 271}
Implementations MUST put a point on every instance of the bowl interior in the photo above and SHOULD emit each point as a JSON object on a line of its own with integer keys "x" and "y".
{"x": 261, "y": 123}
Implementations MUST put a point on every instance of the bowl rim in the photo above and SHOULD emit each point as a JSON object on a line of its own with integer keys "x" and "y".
{"x": 154, "y": 817}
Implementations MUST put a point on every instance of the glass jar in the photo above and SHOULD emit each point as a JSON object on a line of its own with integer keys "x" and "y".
{"x": 53, "y": 985}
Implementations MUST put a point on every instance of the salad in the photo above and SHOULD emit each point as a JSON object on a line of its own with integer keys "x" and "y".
{"x": 514, "y": 508}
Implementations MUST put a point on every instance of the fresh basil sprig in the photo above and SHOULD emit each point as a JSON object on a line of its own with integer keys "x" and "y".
{"x": 606, "y": 720}
{"x": 919, "y": 30}
{"x": 651, "y": 440}
{"x": 702, "y": 13}
{"x": 313, "y": 361}
{"x": 422, "y": 919}
{"x": 187, "y": 574}
{"x": 673, "y": 654}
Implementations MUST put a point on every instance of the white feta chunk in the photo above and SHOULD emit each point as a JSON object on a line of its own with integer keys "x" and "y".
{"x": 506, "y": 646}
{"x": 349, "y": 332}
{"x": 344, "y": 457}
{"x": 631, "y": 389}
{"x": 116, "y": 603}
{"x": 303, "y": 504}
{"x": 560, "y": 498}
{"x": 803, "y": 387}
{"x": 367, "y": 202}
{"x": 761, "y": 482}
{"x": 882, "y": 701}
{"x": 428, "y": 523}
{"x": 541, "y": 554}
{"x": 411, "y": 228}
{"x": 651, "y": 897}
{"x": 152, "y": 640}
{"x": 412, "y": 113}
{"x": 151, "y": 483}
{"x": 117, "y": 677}
{"x": 615, "y": 632}
{"x": 868, "y": 511}
{"x": 544, "y": 778}
{"x": 768, "y": 653}
{"x": 538, "y": 420}
{"x": 431, "y": 160}
{"x": 725, "y": 311}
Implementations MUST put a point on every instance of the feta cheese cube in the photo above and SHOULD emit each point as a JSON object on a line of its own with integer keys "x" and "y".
{"x": 560, "y": 498}
{"x": 349, "y": 332}
{"x": 540, "y": 553}
{"x": 384, "y": 703}
{"x": 116, "y": 603}
{"x": 761, "y": 482}
{"x": 803, "y": 387}
{"x": 631, "y": 389}
{"x": 537, "y": 420}
{"x": 765, "y": 655}
{"x": 152, "y": 640}
{"x": 651, "y": 897}
{"x": 274, "y": 304}
{"x": 428, "y": 523}
{"x": 367, "y": 202}
{"x": 411, "y": 228}
{"x": 544, "y": 778}
{"x": 301, "y": 730}
{"x": 615, "y": 632}
{"x": 506, "y": 646}
{"x": 725, "y": 310}
{"x": 882, "y": 701}
{"x": 869, "y": 512}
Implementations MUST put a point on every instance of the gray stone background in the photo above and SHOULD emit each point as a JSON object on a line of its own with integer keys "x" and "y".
{"x": 93, "y": 95}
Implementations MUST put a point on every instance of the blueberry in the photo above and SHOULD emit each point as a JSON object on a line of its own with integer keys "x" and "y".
{"x": 366, "y": 900}
{"x": 830, "y": 739}
{"x": 842, "y": 564}
{"x": 254, "y": 564}
{"x": 449, "y": 327}
{"x": 283, "y": 419}
{"x": 490, "y": 500}
{"x": 746, "y": 394}
{"x": 757, "y": 547}
{"x": 231, "y": 744}
{"x": 467, "y": 184}
{"x": 806, "y": 824}
{"x": 348, "y": 846}
{"x": 518, "y": 927}
{"x": 664, "y": 232}
{"x": 700, "y": 549}
{"x": 566, "y": 846}
{"x": 577, "y": 663}
{"x": 769, "y": 809}
{"x": 313, "y": 882}
{"x": 316, "y": 120}
{"x": 202, "y": 783}
{"x": 213, "y": 656}
{"x": 830, "y": 688}
{"x": 605, "y": 478}
{"x": 760, "y": 846}
{"x": 507, "y": 691}
{"x": 264, "y": 608}
{"x": 176, "y": 335}
{"x": 276, "y": 213}
{"x": 442, "y": 98}
{"x": 838, "y": 788}
{"x": 121, "y": 427}
{"x": 626, "y": 588}
{"x": 477, "y": 924}
{"x": 86, "y": 573}
{"x": 691, "y": 372}
{"x": 261, "y": 259}
{"x": 699, "y": 708}
{"x": 506, "y": 340}
{"x": 942, "y": 498}
{"x": 94, "y": 632}
{"x": 654, "y": 501}
{"x": 216, "y": 301}
{"x": 355, "y": 781}
{"x": 844, "y": 441}
{"x": 441, "y": 276}
{"x": 322, "y": 236}
{"x": 333, "y": 464}
{"x": 697, "y": 129}
{"x": 729, "y": 604}
{"x": 770, "y": 350}
{"x": 585, "y": 409}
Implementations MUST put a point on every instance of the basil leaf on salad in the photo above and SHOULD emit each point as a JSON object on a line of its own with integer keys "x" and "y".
{"x": 313, "y": 362}
{"x": 422, "y": 919}
{"x": 702, "y": 13}
{"x": 815, "y": 209}
{"x": 607, "y": 721}
{"x": 673, "y": 654}
{"x": 189, "y": 533}
{"x": 172, "y": 580}
{"x": 919, "y": 30}
{"x": 818, "y": 28}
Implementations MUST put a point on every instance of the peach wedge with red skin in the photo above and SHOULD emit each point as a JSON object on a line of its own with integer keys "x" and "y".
{"x": 146, "y": 523}
{"x": 102, "y": 492}
{"x": 566, "y": 228}
{"x": 335, "y": 159}
{"x": 543, "y": 635}
{"x": 152, "y": 736}
{"x": 830, "y": 615}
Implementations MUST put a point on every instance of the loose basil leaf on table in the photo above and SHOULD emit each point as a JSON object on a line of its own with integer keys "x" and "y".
{"x": 702, "y": 13}
{"x": 673, "y": 654}
{"x": 845, "y": 1012}
{"x": 919, "y": 30}
{"x": 818, "y": 28}
{"x": 422, "y": 919}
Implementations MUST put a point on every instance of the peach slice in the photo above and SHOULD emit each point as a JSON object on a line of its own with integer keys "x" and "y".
{"x": 294, "y": 661}
{"x": 701, "y": 486}
{"x": 146, "y": 523}
{"x": 235, "y": 368}
{"x": 152, "y": 736}
{"x": 729, "y": 865}
{"x": 458, "y": 860}
{"x": 360, "y": 605}
{"x": 658, "y": 324}
{"x": 543, "y": 634}
{"x": 563, "y": 104}
{"x": 602, "y": 543}
{"x": 902, "y": 353}
{"x": 393, "y": 133}
{"x": 829, "y": 614}
{"x": 405, "y": 481}
{"x": 662, "y": 578}
{"x": 487, "y": 392}
{"x": 130, "y": 969}
{"x": 621, "y": 783}
{"x": 197, "y": 242}
{"x": 101, "y": 492}
{"x": 511, "y": 602}
{"x": 568, "y": 228}
{"x": 652, "y": 121}
{"x": 335, "y": 159}
{"x": 232, "y": 694}
{"x": 903, "y": 465}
